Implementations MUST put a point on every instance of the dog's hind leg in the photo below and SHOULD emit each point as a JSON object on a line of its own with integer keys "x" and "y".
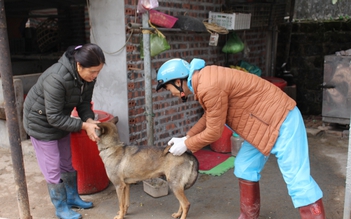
{"x": 179, "y": 212}
{"x": 184, "y": 204}
{"x": 120, "y": 190}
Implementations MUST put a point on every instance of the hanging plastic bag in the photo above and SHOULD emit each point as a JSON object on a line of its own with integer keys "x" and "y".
{"x": 158, "y": 42}
{"x": 246, "y": 47}
{"x": 250, "y": 67}
{"x": 145, "y": 5}
{"x": 233, "y": 44}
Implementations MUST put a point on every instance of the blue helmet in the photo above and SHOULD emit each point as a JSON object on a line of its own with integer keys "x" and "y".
{"x": 171, "y": 70}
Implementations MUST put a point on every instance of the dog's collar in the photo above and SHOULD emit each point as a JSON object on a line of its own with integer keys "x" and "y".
{"x": 103, "y": 149}
{"x": 109, "y": 147}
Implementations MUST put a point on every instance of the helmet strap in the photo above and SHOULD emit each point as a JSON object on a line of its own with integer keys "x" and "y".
{"x": 182, "y": 94}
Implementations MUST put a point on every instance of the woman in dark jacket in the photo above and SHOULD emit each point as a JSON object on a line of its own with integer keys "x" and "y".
{"x": 47, "y": 120}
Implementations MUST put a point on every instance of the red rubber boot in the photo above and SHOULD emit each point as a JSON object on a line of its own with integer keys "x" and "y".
{"x": 313, "y": 211}
{"x": 249, "y": 199}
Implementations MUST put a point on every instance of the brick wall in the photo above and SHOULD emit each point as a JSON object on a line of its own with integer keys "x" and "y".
{"x": 172, "y": 117}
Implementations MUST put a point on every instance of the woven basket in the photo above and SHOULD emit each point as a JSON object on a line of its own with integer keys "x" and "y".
{"x": 162, "y": 19}
{"x": 48, "y": 34}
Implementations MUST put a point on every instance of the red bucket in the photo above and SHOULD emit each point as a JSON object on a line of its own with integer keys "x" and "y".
{"x": 223, "y": 144}
{"x": 279, "y": 82}
{"x": 91, "y": 174}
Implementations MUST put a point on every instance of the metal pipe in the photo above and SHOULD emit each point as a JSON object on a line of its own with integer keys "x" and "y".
{"x": 273, "y": 50}
{"x": 148, "y": 82}
{"x": 133, "y": 26}
{"x": 291, "y": 17}
{"x": 347, "y": 201}
{"x": 12, "y": 119}
{"x": 140, "y": 27}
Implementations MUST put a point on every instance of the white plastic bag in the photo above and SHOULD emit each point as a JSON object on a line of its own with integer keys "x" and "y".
{"x": 145, "y": 5}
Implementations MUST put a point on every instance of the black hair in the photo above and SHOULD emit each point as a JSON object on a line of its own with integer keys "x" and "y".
{"x": 88, "y": 55}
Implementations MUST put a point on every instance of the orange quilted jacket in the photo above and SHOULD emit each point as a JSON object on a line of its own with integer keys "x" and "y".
{"x": 253, "y": 107}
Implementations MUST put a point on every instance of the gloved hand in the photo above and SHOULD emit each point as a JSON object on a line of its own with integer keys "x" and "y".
{"x": 178, "y": 146}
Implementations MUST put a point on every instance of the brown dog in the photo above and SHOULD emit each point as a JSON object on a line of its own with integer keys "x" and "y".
{"x": 126, "y": 164}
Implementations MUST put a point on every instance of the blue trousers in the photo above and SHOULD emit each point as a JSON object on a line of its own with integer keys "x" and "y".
{"x": 291, "y": 151}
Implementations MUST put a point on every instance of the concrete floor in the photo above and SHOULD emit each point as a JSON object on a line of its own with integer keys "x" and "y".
{"x": 211, "y": 196}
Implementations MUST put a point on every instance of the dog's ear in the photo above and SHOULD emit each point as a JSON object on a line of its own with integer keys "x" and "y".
{"x": 166, "y": 150}
{"x": 100, "y": 131}
{"x": 114, "y": 120}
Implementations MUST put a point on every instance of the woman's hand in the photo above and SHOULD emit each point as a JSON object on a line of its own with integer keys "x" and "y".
{"x": 89, "y": 126}
{"x": 178, "y": 146}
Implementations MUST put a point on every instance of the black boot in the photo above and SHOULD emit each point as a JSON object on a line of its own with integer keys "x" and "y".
{"x": 249, "y": 199}
{"x": 73, "y": 199}
{"x": 58, "y": 197}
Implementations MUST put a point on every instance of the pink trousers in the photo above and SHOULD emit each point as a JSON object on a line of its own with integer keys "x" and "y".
{"x": 53, "y": 157}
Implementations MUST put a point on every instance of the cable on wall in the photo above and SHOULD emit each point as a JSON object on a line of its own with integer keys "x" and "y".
{"x": 93, "y": 36}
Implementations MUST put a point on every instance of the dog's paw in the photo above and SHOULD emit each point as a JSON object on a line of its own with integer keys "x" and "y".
{"x": 176, "y": 215}
{"x": 119, "y": 215}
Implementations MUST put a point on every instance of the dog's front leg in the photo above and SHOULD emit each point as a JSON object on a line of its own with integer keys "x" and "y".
{"x": 127, "y": 198}
{"x": 120, "y": 190}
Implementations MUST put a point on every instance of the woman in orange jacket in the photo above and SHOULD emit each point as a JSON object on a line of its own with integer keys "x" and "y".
{"x": 259, "y": 112}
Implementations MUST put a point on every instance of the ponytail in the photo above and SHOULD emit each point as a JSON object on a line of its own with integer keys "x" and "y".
{"x": 88, "y": 55}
